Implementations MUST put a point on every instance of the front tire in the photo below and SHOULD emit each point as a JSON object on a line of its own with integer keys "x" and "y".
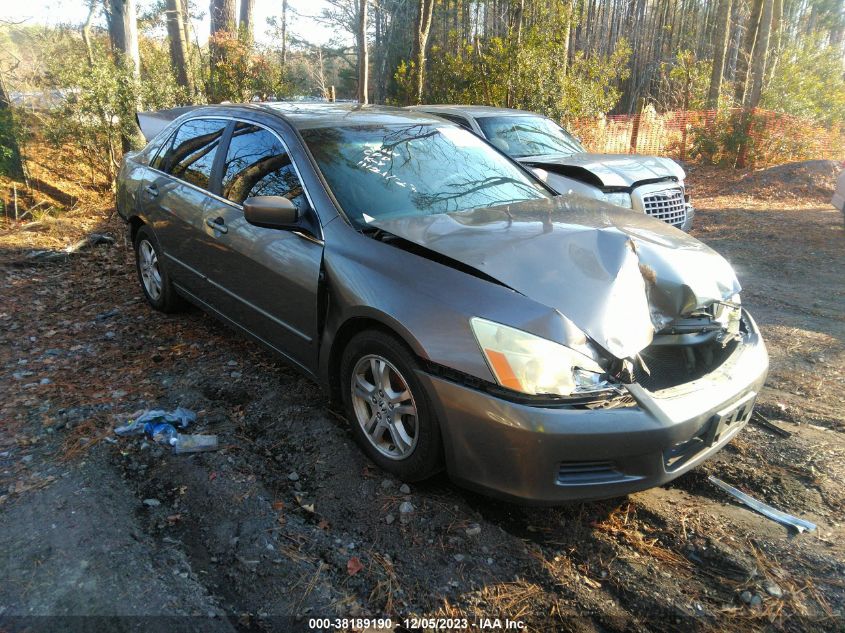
{"x": 391, "y": 415}
{"x": 155, "y": 282}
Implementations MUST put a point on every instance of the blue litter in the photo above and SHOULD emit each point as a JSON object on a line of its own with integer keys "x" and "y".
{"x": 179, "y": 417}
{"x": 161, "y": 426}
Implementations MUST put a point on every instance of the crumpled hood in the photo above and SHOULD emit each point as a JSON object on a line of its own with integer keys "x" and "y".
{"x": 615, "y": 170}
{"x": 619, "y": 276}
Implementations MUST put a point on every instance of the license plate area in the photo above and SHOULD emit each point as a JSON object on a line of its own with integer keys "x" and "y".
{"x": 732, "y": 417}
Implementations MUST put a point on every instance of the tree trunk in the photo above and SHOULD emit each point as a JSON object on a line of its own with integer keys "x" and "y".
{"x": 123, "y": 32}
{"x": 186, "y": 25}
{"x": 776, "y": 38}
{"x": 179, "y": 46}
{"x": 246, "y": 29}
{"x": 518, "y": 19}
{"x": 744, "y": 59}
{"x": 129, "y": 45}
{"x": 115, "y": 17}
{"x": 284, "y": 32}
{"x": 223, "y": 26}
{"x": 222, "y": 15}
{"x": 86, "y": 32}
{"x": 734, "y": 44}
{"x": 757, "y": 72}
{"x": 420, "y": 43}
{"x": 723, "y": 33}
{"x": 761, "y": 53}
{"x": 363, "y": 56}
{"x": 564, "y": 57}
{"x": 516, "y": 26}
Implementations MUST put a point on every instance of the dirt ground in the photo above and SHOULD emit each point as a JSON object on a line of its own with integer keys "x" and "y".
{"x": 288, "y": 521}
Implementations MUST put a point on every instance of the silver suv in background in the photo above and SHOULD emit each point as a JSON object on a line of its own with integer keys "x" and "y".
{"x": 649, "y": 184}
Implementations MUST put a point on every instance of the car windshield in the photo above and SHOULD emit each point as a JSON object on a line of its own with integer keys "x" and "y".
{"x": 521, "y": 136}
{"x": 385, "y": 171}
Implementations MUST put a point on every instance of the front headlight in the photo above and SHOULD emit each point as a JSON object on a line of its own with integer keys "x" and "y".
{"x": 729, "y": 315}
{"x": 533, "y": 365}
{"x": 620, "y": 199}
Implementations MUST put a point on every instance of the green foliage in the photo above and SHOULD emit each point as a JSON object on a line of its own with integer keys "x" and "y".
{"x": 89, "y": 114}
{"x": 101, "y": 98}
{"x": 766, "y": 138}
{"x": 718, "y": 142}
{"x": 808, "y": 82}
{"x": 685, "y": 82}
{"x": 239, "y": 73}
{"x": 159, "y": 88}
{"x": 528, "y": 75}
{"x": 10, "y": 164}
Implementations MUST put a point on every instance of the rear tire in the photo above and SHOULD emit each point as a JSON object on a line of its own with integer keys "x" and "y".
{"x": 390, "y": 412}
{"x": 155, "y": 282}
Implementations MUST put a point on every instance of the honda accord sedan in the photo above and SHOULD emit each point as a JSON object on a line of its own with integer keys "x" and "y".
{"x": 539, "y": 348}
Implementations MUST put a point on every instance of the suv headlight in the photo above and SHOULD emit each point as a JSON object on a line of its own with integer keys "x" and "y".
{"x": 620, "y": 199}
{"x": 533, "y": 365}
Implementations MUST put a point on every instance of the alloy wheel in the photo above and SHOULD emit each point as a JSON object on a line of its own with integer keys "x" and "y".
{"x": 384, "y": 407}
{"x": 150, "y": 272}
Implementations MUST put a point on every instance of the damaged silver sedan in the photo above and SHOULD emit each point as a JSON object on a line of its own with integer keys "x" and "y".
{"x": 539, "y": 348}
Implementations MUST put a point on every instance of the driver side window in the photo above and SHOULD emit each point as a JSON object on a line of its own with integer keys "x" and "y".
{"x": 257, "y": 164}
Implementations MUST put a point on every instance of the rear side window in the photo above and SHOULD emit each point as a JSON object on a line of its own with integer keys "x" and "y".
{"x": 161, "y": 152}
{"x": 257, "y": 164}
{"x": 190, "y": 154}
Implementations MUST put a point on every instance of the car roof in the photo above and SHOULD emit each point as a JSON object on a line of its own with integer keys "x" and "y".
{"x": 317, "y": 115}
{"x": 477, "y": 111}
{"x": 306, "y": 115}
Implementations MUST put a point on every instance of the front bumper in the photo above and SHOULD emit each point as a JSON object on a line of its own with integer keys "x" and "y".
{"x": 551, "y": 455}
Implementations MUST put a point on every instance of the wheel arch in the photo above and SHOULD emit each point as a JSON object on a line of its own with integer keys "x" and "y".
{"x": 344, "y": 333}
{"x": 135, "y": 222}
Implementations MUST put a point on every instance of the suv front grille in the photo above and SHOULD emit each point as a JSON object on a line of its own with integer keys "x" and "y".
{"x": 667, "y": 205}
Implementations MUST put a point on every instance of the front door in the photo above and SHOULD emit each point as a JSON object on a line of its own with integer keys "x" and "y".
{"x": 265, "y": 279}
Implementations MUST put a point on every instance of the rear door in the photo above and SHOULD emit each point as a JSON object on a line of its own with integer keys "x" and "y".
{"x": 175, "y": 197}
{"x": 266, "y": 279}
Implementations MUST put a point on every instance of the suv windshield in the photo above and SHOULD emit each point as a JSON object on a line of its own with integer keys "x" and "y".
{"x": 521, "y": 136}
{"x": 383, "y": 171}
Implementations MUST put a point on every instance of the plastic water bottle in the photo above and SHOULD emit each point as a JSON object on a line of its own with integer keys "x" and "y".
{"x": 162, "y": 433}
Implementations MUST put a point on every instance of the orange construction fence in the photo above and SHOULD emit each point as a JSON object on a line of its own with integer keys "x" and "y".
{"x": 714, "y": 136}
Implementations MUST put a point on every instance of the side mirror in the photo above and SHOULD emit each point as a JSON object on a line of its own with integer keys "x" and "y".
{"x": 271, "y": 212}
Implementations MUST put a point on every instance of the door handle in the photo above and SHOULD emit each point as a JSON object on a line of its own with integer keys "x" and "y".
{"x": 218, "y": 224}
{"x": 152, "y": 190}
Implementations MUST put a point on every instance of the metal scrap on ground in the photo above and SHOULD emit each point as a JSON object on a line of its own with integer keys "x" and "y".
{"x": 763, "y": 508}
{"x": 758, "y": 419}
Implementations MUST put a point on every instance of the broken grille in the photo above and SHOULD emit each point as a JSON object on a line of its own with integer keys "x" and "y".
{"x": 666, "y": 205}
